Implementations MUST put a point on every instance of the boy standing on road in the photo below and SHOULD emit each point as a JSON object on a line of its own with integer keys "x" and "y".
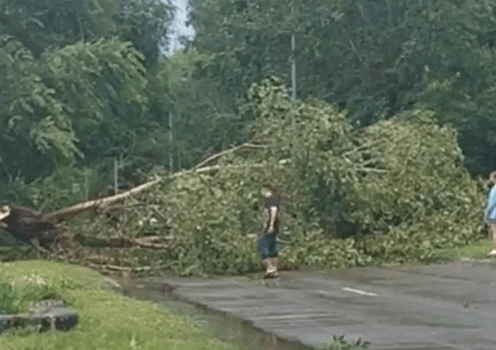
{"x": 490, "y": 212}
{"x": 267, "y": 238}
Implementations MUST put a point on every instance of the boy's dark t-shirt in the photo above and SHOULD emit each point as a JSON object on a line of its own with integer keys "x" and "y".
{"x": 272, "y": 201}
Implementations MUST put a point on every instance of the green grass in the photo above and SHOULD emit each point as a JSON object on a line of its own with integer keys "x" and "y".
{"x": 107, "y": 320}
{"x": 475, "y": 251}
{"x": 339, "y": 344}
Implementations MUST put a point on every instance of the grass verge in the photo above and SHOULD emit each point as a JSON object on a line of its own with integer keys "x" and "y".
{"x": 474, "y": 251}
{"x": 107, "y": 320}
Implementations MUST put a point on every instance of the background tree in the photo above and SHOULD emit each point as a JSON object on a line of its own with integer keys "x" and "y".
{"x": 370, "y": 58}
{"x": 74, "y": 91}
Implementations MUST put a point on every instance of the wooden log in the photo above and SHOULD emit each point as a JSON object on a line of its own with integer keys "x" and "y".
{"x": 92, "y": 206}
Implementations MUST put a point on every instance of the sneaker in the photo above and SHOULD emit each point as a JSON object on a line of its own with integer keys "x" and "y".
{"x": 271, "y": 274}
{"x": 492, "y": 253}
{"x": 271, "y": 271}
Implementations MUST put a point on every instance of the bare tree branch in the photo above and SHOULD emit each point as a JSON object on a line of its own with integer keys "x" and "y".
{"x": 231, "y": 150}
{"x": 91, "y": 206}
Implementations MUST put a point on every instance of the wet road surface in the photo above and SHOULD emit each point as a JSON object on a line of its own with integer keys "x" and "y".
{"x": 444, "y": 306}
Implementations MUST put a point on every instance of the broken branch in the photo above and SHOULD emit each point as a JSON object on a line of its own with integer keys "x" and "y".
{"x": 231, "y": 150}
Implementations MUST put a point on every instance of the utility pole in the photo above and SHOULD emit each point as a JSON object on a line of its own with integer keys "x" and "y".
{"x": 86, "y": 186}
{"x": 116, "y": 176}
{"x": 293, "y": 66}
{"x": 171, "y": 140}
{"x": 171, "y": 123}
{"x": 293, "y": 57}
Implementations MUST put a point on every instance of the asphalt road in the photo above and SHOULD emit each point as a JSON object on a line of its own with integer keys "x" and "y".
{"x": 443, "y": 306}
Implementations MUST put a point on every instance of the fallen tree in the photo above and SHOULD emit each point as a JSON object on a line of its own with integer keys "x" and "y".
{"x": 391, "y": 192}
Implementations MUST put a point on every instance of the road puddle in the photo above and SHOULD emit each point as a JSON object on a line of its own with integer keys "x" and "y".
{"x": 224, "y": 327}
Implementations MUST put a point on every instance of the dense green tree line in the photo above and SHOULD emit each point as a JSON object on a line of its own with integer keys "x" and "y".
{"x": 84, "y": 82}
{"x": 373, "y": 58}
{"x": 75, "y": 85}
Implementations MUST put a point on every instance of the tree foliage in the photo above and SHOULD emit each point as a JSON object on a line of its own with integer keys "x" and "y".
{"x": 391, "y": 193}
{"x": 146, "y": 23}
{"x": 372, "y": 58}
{"x": 75, "y": 84}
{"x": 31, "y": 115}
{"x": 39, "y": 24}
{"x": 368, "y": 157}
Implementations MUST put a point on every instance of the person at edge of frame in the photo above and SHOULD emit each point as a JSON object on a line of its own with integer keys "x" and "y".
{"x": 267, "y": 238}
{"x": 490, "y": 212}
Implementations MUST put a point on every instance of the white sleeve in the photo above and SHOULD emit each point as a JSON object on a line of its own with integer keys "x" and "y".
{"x": 273, "y": 216}
{"x": 266, "y": 217}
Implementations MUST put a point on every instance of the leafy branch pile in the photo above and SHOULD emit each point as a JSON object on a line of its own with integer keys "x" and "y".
{"x": 391, "y": 192}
